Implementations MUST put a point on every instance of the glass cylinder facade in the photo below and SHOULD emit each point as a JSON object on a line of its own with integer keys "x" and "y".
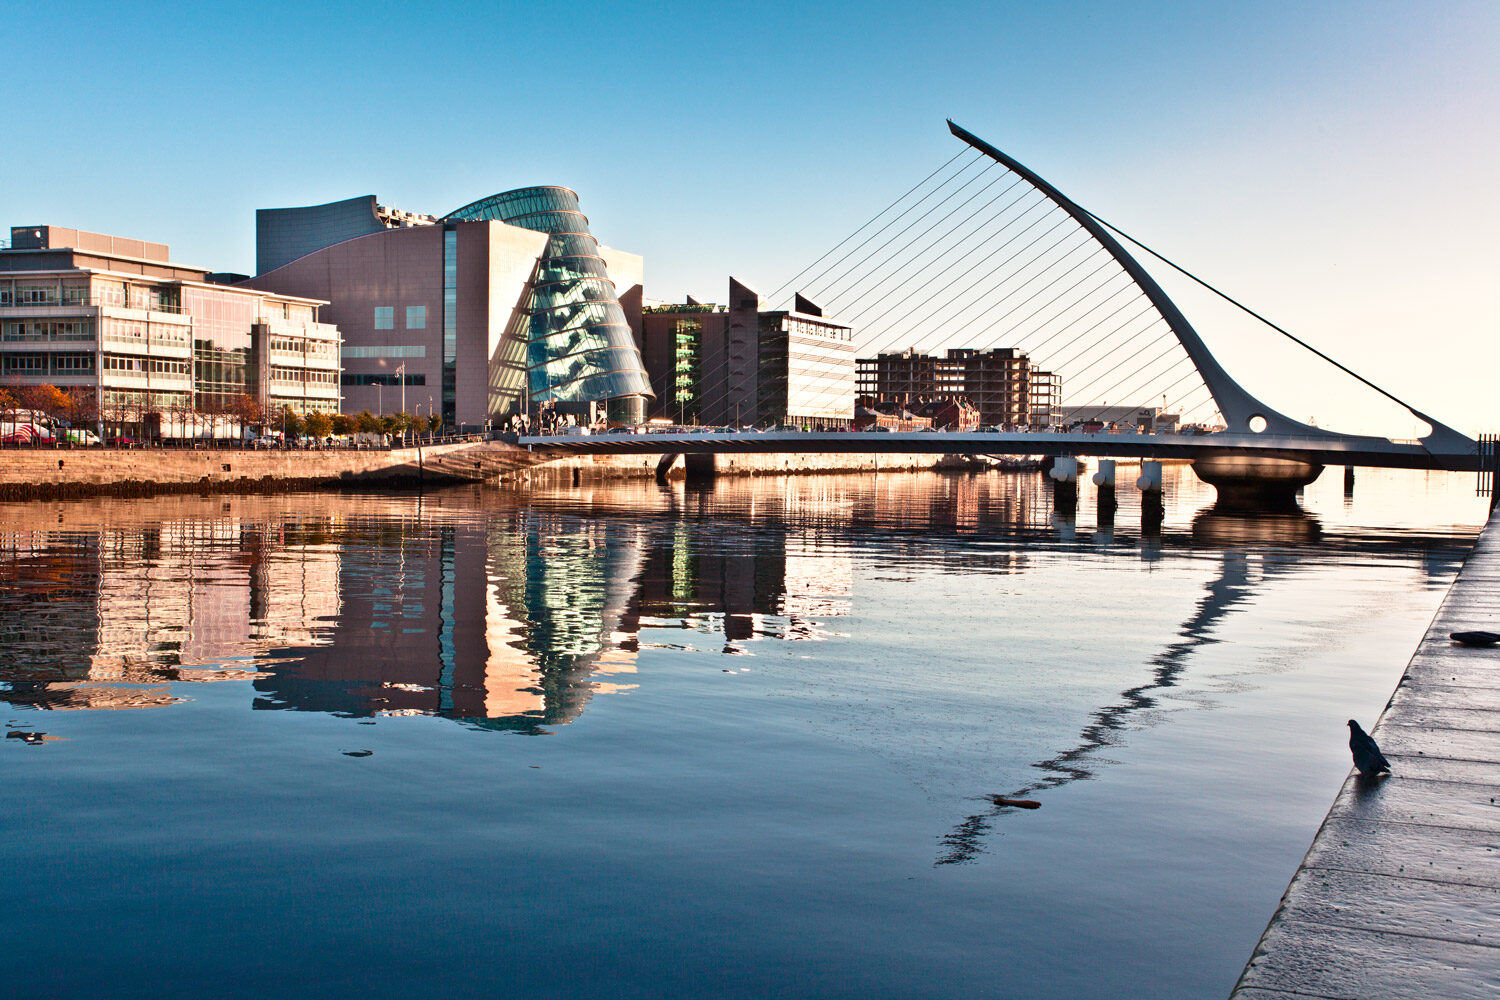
{"x": 580, "y": 347}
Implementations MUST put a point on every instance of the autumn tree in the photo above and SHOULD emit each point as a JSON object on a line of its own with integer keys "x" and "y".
{"x": 317, "y": 425}
{"x": 290, "y": 422}
{"x": 367, "y": 422}
{"x": 343, "y": 423}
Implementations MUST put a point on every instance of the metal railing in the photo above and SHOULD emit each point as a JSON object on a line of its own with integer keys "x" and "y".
{"x": 1489, "y": 466}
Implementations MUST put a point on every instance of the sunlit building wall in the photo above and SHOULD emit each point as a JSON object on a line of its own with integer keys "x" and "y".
{"x": 744, "y": 365}
{"x": 503, "y": 306}
{"x": 116, "y": 323}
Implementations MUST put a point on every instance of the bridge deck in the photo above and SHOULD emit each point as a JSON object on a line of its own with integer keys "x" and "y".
{"x": 1399, "y": 895}
{"x": 1329, "y": 450}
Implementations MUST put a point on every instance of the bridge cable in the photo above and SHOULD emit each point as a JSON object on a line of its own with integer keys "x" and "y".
{"x": 897, "y": 218}
{"x": 913, "y": 224}
{"x": 861, "y": 229}
{"x": 963, "y": 274}
{"x": 1240, "y": 305}
{"x": 895, "y": 289}
{"x": 844, "y": 307}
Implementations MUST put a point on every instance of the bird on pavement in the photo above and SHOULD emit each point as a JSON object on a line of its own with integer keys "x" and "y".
{"x": 1367, "y": 755}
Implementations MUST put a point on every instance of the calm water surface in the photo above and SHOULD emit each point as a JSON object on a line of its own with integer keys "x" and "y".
{"x": 645, "y": 741}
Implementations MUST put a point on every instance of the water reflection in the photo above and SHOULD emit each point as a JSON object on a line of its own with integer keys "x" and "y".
{"x": 1230, "y": 588}
{"x": 513, "y": 611}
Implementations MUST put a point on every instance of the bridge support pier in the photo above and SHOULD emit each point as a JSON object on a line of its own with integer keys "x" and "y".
{"x": 1348, "y": 482}
{"x": 1105, "y": 480}
{"x": 1254, "y": 483}
{"x": 667, "y": 468}
{"x": 1153, "y": 511}
{"x": 699, "y": 468}
{"x": 1064, "y": 475}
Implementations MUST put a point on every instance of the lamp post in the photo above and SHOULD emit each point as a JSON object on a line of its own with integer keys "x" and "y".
{"x": 401, "y": 378}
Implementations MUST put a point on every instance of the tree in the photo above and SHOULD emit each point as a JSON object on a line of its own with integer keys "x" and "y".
{"x": 290, "y": 422}
{"x": 367, "y": 422}
{"x": 84, "y": 406}
{"x": 247, "y": 409}
{"x": 317, "y": 425}
{"x": 434, "y": 422}
{"x": 343, "y": 423}
{"x": 45, "y": 398}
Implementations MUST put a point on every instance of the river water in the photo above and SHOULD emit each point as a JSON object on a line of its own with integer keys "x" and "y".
{"x": 646, "y": 741}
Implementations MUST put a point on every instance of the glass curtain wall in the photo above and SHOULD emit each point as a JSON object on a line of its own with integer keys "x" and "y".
{"x": 579, "y": 346}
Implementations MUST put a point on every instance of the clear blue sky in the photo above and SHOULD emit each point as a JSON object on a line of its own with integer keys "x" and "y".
{"x": 1334, "y": 164}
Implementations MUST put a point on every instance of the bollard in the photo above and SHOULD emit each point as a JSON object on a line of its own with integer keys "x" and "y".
{"x": 1105, "y": 480}
{"x": 1064, "y": 475}
{"x": 1152, "y": 508}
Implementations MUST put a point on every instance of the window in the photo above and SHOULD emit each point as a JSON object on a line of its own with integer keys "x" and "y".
{"x": 26, "y": 362}
{"x": 397, "y": 351}
{"x": 385, "y": 317}
{"x": 416, "y": 317}
{"x": 72, "y": 362}
{"x": 351, "y": 378}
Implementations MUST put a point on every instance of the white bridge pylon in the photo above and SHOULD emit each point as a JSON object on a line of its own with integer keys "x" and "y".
{"x": 1242, "y": 412}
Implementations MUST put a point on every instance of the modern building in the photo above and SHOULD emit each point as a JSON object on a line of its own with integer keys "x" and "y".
{"x": 742, "y": 364}
{"x": 999, "y": 383}
{"x": 145, "y": 343}
{"x": 1148, "y": 419}
{"x": 1046, "y": 400}
{"x": 501, "y": 307}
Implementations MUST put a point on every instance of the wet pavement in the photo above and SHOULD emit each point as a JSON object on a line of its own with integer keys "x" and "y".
{"x": 1399, "y": 895}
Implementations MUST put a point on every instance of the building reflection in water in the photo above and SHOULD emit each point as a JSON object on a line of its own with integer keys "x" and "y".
{"x": 512, "y": 614}
{"x": 510, "y": 620}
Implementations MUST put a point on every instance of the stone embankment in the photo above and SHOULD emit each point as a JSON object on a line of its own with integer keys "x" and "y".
{"x": 39, "y": 473}
{"x": 1399, "y": 895}
{"x": 45, "y": 473}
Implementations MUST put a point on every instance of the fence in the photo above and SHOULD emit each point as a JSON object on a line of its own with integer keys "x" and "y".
{"x": 1489, "y": 466}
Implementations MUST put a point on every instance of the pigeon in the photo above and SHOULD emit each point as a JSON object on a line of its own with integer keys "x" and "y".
{"x": 1367, "y": 755}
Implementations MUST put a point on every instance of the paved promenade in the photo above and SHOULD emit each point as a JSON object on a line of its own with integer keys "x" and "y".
{"x": 1399, "y": 895}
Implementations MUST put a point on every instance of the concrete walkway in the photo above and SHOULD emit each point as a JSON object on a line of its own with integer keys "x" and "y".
{"x": 1399, "y": 895}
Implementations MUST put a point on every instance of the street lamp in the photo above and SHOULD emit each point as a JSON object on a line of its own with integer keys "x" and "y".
{"x": 401, "y": 378}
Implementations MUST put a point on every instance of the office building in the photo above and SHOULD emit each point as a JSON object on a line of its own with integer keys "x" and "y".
{"x": 503, "y": 306}
{"x": 742, "y": 364}
{"x": 999, "y": 383}
{"x": 152, "y": 346}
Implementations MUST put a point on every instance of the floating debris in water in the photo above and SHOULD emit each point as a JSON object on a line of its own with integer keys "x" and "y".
{"x": 31, "y": 738}
{"x": 1001, "y": 800}
{"x": 357, "y": 753}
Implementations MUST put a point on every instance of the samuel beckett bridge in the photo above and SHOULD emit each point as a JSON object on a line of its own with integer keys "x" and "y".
{"x": 985, "y": 248}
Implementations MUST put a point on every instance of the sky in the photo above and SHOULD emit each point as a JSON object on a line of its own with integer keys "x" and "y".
{"x": 1333, "y": 164}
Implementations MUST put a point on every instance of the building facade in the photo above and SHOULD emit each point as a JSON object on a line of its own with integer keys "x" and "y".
{"x": 137, "y": 339}
{"x": 1000, "y": 383}
{"x": 741, "y": 364}
{"x": 501, "y": 307}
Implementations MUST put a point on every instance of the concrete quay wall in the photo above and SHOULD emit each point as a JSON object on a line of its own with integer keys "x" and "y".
{"x": 42, "y": 473}
{"x": 1399, "y": 895}
{"x": 581, "y": 468}
{"x": 34, "y": 473}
